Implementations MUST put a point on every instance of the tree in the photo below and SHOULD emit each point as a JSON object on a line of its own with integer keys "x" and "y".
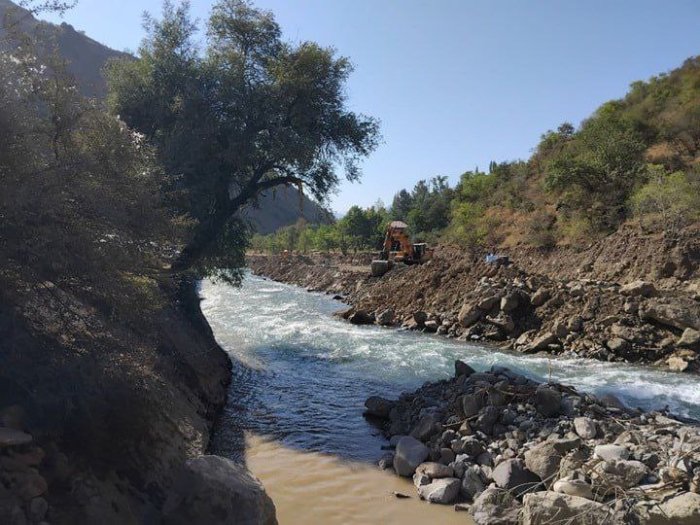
{"x": 250, "y": 113}
{"x": 401, "y": 205}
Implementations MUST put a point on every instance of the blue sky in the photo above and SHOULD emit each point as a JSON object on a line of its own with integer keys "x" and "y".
{"x": 458, "y": 83}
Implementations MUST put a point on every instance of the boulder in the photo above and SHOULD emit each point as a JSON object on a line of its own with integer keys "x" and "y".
{"x": 435, "y": 470}
{"x": 444, "y": 491}
{"x": 471, "y": 404}
{"x": 472, "y": 482}
{"x": 573, "y": 487}
{"x": 487, "y": 303}
{"x": 495, "y": 507}
{"x": 585, "y": 427}
{"x": 681, "y": 314}
{"x": 409, "y": 454}
{"x": 690, "y": 338}
{"x": 512, "y": 475}
{"x": 432, "y": 326}
{"x": 469, "y": 314}
{"x": 611, "y": 452}
{"x": 683, "y": 509}
{"x": 677, "y": 364}
{"x": 420, "y": 318}
{"x": 618, "y": 345}
{"x": 463, "y": 369}
{"x": 10, "y": 437}
{"x": 378, "y": 407}
{"x": 554, "y": 507}
{"x": 620, "y": 473}
{"x": 548, "y": 401}
{"x": 359, "y": 317}
{"x": 540, "y": 297}
{"x": 426, "y": 427}
{"x": 386, "y": 317}
{"x": 510, "y": 302}
{"x": 30, "y": 485}
{"x": 544, "y": 459}
{"x": 638, "y": 289}
{"x": 212, "y": 489}
{"x": 542, "y": 342}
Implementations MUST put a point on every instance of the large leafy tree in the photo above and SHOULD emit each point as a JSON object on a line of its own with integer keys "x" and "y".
{"x": 245, "y": 115}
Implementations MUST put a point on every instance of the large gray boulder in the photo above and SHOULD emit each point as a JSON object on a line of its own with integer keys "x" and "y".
{"x": 444, "y": 491}
{"x": 548, "y": 401}
{"x": 552, "y": 507}
{"x": 409, "y": 454}
{"x": 215, "y": 490}
{"x": 512, "y": 475}
{"x": 544, "y": 459}
{"x": 585, "y": 427}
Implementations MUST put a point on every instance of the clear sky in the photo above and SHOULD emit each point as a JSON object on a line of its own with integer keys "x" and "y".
{"x": 458, "y": 83}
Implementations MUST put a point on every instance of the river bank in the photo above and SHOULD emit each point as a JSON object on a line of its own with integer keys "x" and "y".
{"x": 643, "y": 309}
{"x": 107, "y": 421}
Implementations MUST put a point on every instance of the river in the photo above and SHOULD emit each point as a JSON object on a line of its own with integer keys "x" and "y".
{"x": 301, "y": 377}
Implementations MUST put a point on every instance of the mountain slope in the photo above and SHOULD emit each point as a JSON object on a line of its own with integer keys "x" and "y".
{"x": 86, "y": 58}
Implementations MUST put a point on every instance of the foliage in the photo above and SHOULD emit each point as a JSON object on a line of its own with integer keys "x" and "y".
{"x": 359, "y": 229}
{"x": 669, "y": 200}
{"x": 80, "y": 203}
{"x": 248, "y": 113}
{"x": 426, "y": 209}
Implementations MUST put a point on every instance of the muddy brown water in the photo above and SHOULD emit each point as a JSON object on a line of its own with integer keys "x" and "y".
{"x": 314, "y": 488}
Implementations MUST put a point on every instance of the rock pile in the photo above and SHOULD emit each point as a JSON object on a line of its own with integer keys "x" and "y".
{"x": 519, "y": 451}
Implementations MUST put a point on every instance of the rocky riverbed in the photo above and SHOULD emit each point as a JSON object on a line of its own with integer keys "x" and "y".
{"x": 510, "y": 450}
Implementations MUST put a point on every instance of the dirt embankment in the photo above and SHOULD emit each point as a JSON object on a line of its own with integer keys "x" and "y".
{"x": 629, "y": 297}
{"x": 99, "y": 419}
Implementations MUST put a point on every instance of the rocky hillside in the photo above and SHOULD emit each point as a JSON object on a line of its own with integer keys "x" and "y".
{"x": 629, "y": 298}
{"x": 86, "y": 59}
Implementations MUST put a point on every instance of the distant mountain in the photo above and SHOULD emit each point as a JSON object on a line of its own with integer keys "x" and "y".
{"x": 86, "y": 59}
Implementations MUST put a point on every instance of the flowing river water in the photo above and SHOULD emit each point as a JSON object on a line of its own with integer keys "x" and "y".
{"x": 299, "y": 384}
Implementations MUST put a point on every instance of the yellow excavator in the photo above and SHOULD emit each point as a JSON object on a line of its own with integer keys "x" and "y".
{"x": 399, "y": 248}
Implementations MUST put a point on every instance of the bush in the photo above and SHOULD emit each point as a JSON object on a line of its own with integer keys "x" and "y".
{"x": 668, "y": 201}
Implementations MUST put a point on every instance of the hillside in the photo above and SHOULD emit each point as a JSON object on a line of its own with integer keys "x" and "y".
{"x": 86, "y": 59}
